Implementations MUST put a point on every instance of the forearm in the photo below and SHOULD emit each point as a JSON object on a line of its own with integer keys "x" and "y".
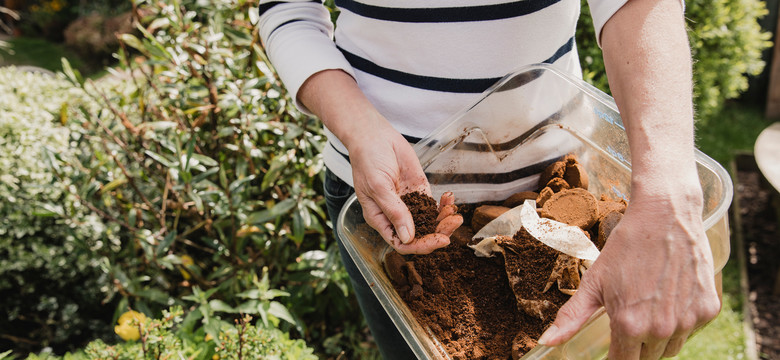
{"x": 335, "y": 98}
{"x": 648, "y": 64}
{"x": 298, "y": 38}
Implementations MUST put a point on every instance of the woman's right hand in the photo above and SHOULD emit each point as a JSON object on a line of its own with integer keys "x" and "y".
{"x": 384, "y": 165}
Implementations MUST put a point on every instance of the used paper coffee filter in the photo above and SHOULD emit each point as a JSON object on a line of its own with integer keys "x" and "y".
{"x": 570, "y": 240}
{"x": 577, "y": 252}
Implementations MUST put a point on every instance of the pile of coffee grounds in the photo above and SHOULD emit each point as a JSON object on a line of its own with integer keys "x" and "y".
{"x": 424, "y": 212}
{"x": 469, "y": 303}
{"x": 529, "y": 264}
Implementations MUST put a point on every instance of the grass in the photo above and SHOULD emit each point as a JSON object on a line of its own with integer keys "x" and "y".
{"x": 734, "y": 129}
{"x": 45, "y": 54}
{"x": 40, "y": 53}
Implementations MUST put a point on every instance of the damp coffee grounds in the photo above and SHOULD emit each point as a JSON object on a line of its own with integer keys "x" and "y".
{"x": 424, "y": 212}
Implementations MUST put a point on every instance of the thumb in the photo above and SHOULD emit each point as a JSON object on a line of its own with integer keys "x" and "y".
{"x": 571, "y": 316}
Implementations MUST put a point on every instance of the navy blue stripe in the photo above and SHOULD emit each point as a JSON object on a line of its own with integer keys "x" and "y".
{"x": 410, "y": 139}
{"x": 460, "y": 86}
{"x": 496, "y": 178}
{"x": 262, "y": 8}
{"x": 463, "y": 86}
{"x": 283, "y": 24}
{"x": 446, "y": 14}
{"x": 488, "y": 178}
{"x": 563, "y": 50}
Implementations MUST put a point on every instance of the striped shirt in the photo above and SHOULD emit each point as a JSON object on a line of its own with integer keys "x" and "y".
{"x": 420, "y": 62}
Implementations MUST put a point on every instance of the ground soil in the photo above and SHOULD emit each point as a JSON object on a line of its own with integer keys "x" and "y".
{"x": 424, "y": 212}
{"x": 762, "y": 248}
{"x": 467, "y": 301}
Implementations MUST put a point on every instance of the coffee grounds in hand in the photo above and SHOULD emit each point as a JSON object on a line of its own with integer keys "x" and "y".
{"x": 424, "y": 212}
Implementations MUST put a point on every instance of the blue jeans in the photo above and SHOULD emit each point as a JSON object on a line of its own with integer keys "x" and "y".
{"x": 390, "y": 342}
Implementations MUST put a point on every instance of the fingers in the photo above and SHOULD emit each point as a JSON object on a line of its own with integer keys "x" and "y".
{"x": 674, "y": 345}
{"x": 448, "y": 225}
{"x": 396, "y": 212}
{"x": 446, "y": 210}
{"x": 572, "y": 315}
{"x": 376, "y": 219}
{"x": 624, "y": 347}
{"x": 448, "y": 198}
{"x": 424, "y": 245}
{"x": 653, "y": 350}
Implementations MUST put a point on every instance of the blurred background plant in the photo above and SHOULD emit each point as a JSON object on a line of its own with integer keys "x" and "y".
{"x": 208, "y": 178}
{"x": 726, "y": 41}
{"x": 52, "y": 283}
{"x": 167, "y": 338}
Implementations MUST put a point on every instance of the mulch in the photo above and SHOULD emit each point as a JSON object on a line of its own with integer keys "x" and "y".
{"x": 759, "y": 217}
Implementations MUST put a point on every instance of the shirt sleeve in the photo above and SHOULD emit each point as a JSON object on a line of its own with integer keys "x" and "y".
{"x": 298, "y": 38}
{"x": 602, "y": 10}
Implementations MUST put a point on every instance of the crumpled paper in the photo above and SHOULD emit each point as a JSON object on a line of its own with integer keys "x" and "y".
{"x": 578, "y": 252}
{"x": 567, "y": 239}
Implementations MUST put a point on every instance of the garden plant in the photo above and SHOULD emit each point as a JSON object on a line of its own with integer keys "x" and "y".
{"x": 185, "y": 186}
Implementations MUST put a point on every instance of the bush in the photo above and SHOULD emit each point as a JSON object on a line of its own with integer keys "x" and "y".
{"x": 213, "y": 176}
{"x": 53, "y": 285}
{"x": 726, "y": 44}
{"x": 167, "y": 338}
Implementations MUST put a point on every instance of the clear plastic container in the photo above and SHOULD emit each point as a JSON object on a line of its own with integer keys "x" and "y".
{"x": 527, "y": 120}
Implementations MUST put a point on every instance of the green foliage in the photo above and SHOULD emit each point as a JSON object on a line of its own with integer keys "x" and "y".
{"x": 37, "y": 52}
{"x": 168, "y": 338}
{"x": 212, "y": 175}
{"x": 726, "y": 44}
{"x": 46, "y": 236}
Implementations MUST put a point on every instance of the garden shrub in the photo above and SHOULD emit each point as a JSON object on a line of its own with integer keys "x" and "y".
{"x": 213, "y": 177}
{"x": 52, "y": 283}
{"x": 168, "y": 338}
{"x": 726, "y": 44}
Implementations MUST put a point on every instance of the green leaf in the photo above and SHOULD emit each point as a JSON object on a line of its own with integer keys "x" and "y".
{"x": 72, "y": 74}
{"x": 158, "y": 125}
{"x": 198, "y": 178}
{"x": 277, "y": 165}
{"x": 163, "y": 246}
{"x": 298, "y": 229}
{"x": 197, "y": 199}
{"x": 205, "y": 160}
{"x": 280, "y": 311}
{"x": 132, "y": 41}
{"x": 277, "y": 210}
{"x": 113, "y": 185}
{"x": 155, "y": 295}
{"x": 161, "y": 159}
{"x": 221, "y": 306}
{"x": 237, "y": 183}
{"x": 238, "y": 37}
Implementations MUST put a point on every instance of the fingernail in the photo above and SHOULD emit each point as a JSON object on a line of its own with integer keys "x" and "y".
{"x": 548, "y": 335}
{"x": 404, "y": 235}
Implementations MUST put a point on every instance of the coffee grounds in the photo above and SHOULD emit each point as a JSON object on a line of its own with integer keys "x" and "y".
{"x": 424, "y": 212}
{"x": 529, "y": 264}
{"x": 467, "y": 304}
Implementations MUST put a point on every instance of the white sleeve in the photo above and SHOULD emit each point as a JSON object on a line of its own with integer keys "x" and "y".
{"x": 602, "y": 10}
{"x": 298, "y": 38}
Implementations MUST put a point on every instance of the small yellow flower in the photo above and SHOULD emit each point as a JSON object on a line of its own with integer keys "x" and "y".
{"x": 246, "y": 230}
{"x": 128, "y": 325}
{"x": 215, "y": 357}
{"x": 186, "y": 261}
{"x": 208, "y": 337}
